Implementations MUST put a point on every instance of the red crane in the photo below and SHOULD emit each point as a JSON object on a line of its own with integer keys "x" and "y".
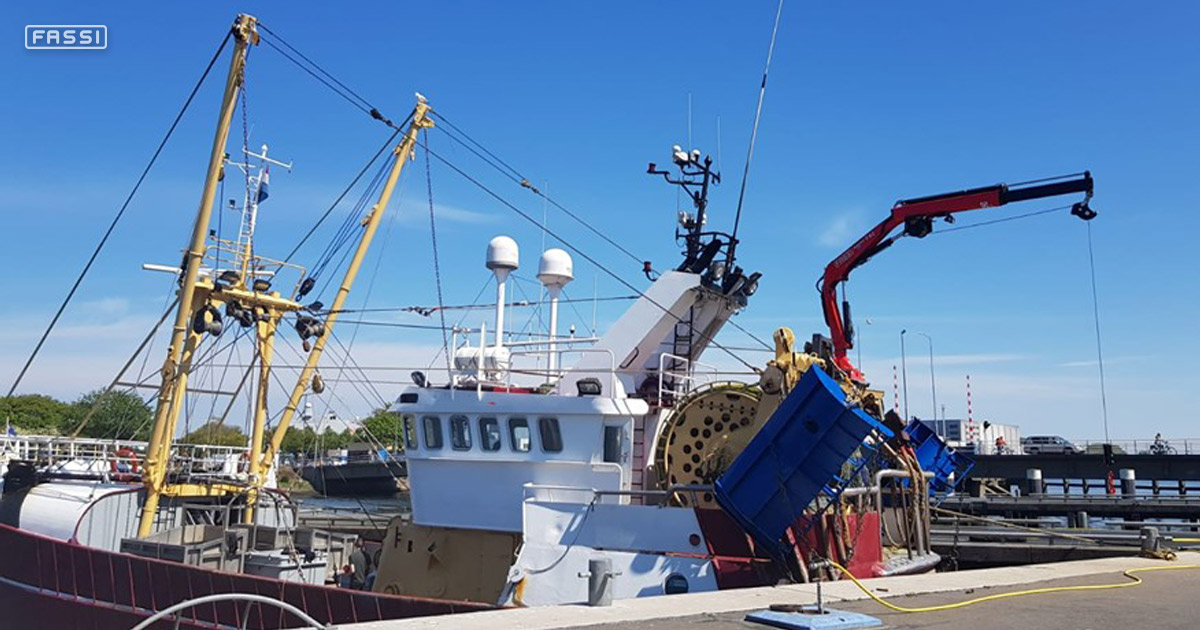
{"x": 916, "y": 216}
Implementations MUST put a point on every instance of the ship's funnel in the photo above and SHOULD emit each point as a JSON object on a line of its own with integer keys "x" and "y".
{"x": 555, "y": 270}
{"x": 502, "y": 258}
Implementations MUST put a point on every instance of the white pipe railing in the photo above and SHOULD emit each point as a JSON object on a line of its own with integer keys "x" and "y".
{"x": 231, "y": 597}
{"x": 684, "y": 377}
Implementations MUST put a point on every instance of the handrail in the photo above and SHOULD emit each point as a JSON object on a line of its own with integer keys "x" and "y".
{"x": 224, "y": 597}
{"x": 685, "y": 377}
{"x": 612, "y": 369}
{"x": 597, "y": 493}
{"x": 96, "y": 456}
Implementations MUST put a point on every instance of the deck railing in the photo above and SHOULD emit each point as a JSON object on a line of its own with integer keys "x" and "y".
{"x": 97, "y": 457}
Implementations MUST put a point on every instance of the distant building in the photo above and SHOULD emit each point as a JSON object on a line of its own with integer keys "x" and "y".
{"x": 976, "y": 437}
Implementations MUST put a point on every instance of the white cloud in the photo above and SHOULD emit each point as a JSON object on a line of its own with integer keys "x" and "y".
{"x": 841, "y": 230}
{"x": 955, "y": 360}
{"x": 1091, "y": 363}
{"x": 416, "y": 211}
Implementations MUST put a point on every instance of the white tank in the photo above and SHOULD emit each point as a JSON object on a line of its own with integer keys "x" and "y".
{"x": 502, "y": 253}
{"x": 555, "y": 268}
{"x": 56, "y": 508}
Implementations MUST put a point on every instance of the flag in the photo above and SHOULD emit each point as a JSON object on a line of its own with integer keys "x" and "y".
{"x": 10, "y": 429}
{"x": 262, "y": 185}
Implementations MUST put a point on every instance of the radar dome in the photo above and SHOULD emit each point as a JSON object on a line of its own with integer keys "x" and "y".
{"x": 555, "y": 268}
{"x": 502, "y": 253}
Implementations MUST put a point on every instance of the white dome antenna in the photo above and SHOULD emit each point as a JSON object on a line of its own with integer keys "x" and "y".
{"x": 503, "y": 257}
{"x": 555, "y": 270}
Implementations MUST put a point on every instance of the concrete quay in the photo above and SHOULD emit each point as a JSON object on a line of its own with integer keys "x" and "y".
{"x": 1166, "y": 599}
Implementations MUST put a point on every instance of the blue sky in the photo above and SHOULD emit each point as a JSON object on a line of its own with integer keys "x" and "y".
{"x": 866, "y": 104}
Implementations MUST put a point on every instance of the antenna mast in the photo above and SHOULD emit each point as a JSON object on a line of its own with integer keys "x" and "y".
{"x": 762, "y": 92}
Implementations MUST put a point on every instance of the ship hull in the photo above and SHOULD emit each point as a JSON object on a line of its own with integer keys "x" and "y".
{"x": 51, "y": 583}
{"x": 355, "y": 478}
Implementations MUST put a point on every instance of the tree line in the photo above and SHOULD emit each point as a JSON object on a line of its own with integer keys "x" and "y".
{"x": 120, "y": 415}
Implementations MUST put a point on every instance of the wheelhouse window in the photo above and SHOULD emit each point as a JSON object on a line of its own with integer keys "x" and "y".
{"x": 612, "y": 444}
{"x": 519, "y": 434}
{"x": 489, "y": 434}
{"x": 551, "y": 435}
{"x": 432, "y": 426}
{"x": 410, "y": 431}
{"x": 460, "y": 433}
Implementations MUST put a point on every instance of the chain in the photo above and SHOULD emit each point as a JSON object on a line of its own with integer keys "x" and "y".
{"x": 245, "y": 145}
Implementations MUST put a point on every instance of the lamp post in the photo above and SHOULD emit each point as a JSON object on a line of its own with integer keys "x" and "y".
{"x": 932, "y": 381}
{"x": 904, "y": 374}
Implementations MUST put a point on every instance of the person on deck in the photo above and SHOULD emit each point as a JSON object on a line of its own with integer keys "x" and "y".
{"x": 361, "y": 564}
{"x": 346, "y": 577}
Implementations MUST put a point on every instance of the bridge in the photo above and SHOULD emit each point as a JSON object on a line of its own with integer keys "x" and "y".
{"x": 1172, "y": 468}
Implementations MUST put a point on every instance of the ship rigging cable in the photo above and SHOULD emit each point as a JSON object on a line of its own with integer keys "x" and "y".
{"x": 317, "y": 71}
{"x": 437, "y": 269}
{"x": 1004, "y": 219}
{"x": 1099, "y": 351}
{"x": 116, "y": 219}
{"x": 350, "y": 225}
{"x": 514, "y": 175}
{"x": 582, "y": 253}
{"x": 518, "y": 178}
{"x": 336, "y": 202}
{"x": 350, "y": 96}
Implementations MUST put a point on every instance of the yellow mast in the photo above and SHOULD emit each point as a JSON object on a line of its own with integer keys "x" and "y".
{"x": 266, "y": 349}
{"x": 403, "y": 152}
{"x": 197, "y": 294}
{"x": 183, "y": 339}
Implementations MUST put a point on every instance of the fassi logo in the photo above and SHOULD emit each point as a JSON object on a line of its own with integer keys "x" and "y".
{"x": 66, "y": 37}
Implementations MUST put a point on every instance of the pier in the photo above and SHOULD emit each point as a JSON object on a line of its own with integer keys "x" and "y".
{"x": 1163, "y": 600}
{"x": 1091, "y": 467}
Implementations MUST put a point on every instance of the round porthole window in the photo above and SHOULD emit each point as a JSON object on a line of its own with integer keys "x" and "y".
{"x": 675, "y": 584}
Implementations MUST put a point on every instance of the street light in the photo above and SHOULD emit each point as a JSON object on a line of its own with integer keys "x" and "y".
{"x": 932, "y": 381}
{"x": 904, "y": 374}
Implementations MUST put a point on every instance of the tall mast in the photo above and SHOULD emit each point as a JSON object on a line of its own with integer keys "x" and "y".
{"x": 403, "y": 152}
{"x": 183, "y": 338}
{"x": 244, "y": 247}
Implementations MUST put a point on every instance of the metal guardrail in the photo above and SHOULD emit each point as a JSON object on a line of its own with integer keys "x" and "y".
{"x": 94, "y": 456}
{"x": 683, "y": 377}
{"x": 555, "y": 493}
{"x": 1175, "y": 446}
{"x": 611, "y": 372}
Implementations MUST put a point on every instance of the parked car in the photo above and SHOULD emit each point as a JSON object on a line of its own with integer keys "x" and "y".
{"x": 1043, "y": 444}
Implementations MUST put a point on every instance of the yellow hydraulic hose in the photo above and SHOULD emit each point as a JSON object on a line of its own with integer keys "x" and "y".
{"x": 1129, "y": 573}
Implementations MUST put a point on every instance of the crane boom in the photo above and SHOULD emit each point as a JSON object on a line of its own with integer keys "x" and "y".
{"x": 916, "y": 216}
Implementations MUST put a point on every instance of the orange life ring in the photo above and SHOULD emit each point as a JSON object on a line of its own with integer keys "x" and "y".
{"x": 124, "y": 454}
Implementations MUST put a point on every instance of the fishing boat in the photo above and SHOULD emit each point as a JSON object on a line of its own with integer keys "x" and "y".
{"x": 544, "y": 469}
{"x": 107, "y": 535}
{"x": 363, "y": 469}
{"x": 628, "y": 461}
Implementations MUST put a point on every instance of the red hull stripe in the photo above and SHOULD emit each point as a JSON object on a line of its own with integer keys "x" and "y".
{"x": 55, "y": 584}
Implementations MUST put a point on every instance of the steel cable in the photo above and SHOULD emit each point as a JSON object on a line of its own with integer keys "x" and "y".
{"x": 116, "y": 219}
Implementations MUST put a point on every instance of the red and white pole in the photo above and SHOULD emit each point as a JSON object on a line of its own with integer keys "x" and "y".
{"x": 972, "y": 435}
{"x": 895, "y": 390}
{"x": 970, "y": 418}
